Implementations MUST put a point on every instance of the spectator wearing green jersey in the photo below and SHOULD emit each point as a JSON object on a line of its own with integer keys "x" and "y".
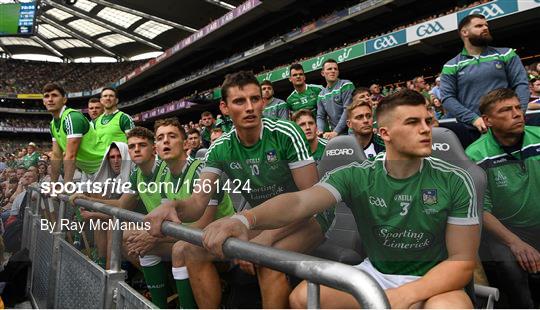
{"x": 360, "y": 121}
{"x": 416, "y": 214}
{"x": 224, "y": 122}
{"x": 304, "y": 96}
{"x": 32, "y": 157}
{"x": 207, "y": 123}
{"x": 305, "y": 119}
{"x": 75, "y": 142}
{"x": 273, "y": 107}
{"x": 266, "y": 157}
{"x": 333, "y": 100}
{"x": 113, "y": 124}
{"x": 510, "y": 155}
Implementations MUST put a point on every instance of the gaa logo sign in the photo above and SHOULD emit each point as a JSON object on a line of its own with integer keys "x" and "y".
{"x": 441, "y": 147}
{"x": 489, "y": 11}
{"x": 428, "y": 29}
{"x": 385, "y": 42}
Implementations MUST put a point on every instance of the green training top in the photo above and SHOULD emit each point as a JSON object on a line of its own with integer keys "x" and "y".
{"x": 403, "y": 221}
{"x": 146, "y": 187}
{"x": 512, "y": 194}
{"x": 73, "y": 124}
{"x": 319, "y": 152}
{"x": 113, "y": 127}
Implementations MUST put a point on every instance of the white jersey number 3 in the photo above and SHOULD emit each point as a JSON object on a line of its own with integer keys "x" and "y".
{"x": 404, "y": 208}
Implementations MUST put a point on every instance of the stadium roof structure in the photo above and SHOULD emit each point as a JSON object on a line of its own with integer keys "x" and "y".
{"x": 94, "y": 30}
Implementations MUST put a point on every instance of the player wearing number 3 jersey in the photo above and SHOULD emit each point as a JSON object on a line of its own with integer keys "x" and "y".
{"x": 417, "y": 215}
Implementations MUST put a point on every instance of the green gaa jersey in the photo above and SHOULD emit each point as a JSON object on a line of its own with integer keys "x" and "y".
{"x": 113, "y": 127}
{"x": 305, "y": 100}
{"x": 264, "y": 167}
{"x": 513, "y": 178}
{"x": 276, "y": 108}
{"x": 319, "y": 152}
{"x": 140, "y": 184}
{"x": 403, "y": 221}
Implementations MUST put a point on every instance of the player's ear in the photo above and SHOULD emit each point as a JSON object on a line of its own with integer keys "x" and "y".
{"x": 224, "y": 107}
{"x": 383, "y": 133}
{"x": 486, "y": 119}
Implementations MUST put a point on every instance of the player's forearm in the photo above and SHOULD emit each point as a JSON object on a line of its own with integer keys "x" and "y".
{"x": 279, "y": 211}
{"x": 275, "y": 235}
{"x": 193, "y": 208}
{"x": 495, "y": 227}
{"x": 69, "y": 168}
{"x": 449, "y": 275}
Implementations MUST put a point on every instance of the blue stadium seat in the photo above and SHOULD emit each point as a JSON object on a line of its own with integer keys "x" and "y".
{"x": 343, "y": 242}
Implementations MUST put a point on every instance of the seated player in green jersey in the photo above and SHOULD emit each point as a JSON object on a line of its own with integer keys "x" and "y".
{"x": 304, "y": 96}
{"x": 75, "y": 143}
{"x": 360, "y": 121}
{"x": 113, "y": 124}
{"x": 305, "y": 119}
{"x": 509, "y": 152}
{"x": 263, "y": 158}
{"x": 273, "y": 107}
{"x": 179, "y": 181}
{"x": 416, "y": 215}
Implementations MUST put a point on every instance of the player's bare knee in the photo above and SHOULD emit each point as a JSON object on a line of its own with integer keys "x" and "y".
{"x": 451, "y": 300}
{"x": 178, "y": 251}
{"x": 298, "y": 297}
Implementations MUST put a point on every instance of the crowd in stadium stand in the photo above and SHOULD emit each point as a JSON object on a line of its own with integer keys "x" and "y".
{"x": 115, "y": 148}
{"x": 24, "y": 122}
{"x": 22, "y": 76}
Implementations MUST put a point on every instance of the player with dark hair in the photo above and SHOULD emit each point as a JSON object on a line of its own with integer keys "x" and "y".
{"x": 95, "y": 109}
{"x": 207, "y": 123}
{"x": 75, "y": 143}
{"x": 266, "y": 157}
{"x": 416, "y": 214}
{"x": 113, "y": 124}
{"x": 304, "y": 96}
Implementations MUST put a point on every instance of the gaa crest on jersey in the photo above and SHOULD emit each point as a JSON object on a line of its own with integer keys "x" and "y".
{"x": 498, "y": 65}
{"x": 271, "y": 156}
{"x": 429, "y": 196}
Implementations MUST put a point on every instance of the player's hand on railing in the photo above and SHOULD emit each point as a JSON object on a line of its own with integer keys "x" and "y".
{"x": 77, "y": 196}
{"x": 215, "y": 234}
{"x": 140, "y": 243}
{"x": 165, "y": 212}
{"x": 247, "y": 267}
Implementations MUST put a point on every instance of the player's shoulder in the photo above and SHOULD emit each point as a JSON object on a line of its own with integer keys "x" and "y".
{"x": 446, "y": 171}
{"x": 315, "y": 86}
{"x": 222, "y": 144}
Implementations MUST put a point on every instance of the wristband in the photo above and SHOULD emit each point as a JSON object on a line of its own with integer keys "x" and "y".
{"x": 242, "y": 219}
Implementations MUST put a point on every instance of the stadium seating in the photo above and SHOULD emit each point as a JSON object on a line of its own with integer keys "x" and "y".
{"x": 343, "y": 242}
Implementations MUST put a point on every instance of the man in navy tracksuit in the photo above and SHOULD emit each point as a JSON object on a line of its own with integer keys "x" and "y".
{"x": 477, "y": 70}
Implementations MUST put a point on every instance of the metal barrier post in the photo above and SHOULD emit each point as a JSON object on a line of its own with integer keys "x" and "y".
{"x": 54, "y": 270}
{"x": 313, "y": 296}
{"x": 32, "y": 218}
{"x": 115, "y": 274}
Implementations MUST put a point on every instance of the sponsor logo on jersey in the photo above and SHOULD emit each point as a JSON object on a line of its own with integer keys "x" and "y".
{"x": 402, "y": 238}
{"x": 235, "y": 165}
{"x": 440, "y": 147}
{"x": 427, "y": 29}
{"x": 377, "y": 202}
{"x": 500, "y": 179}
{"x": 385, "y": 42}
{"x": 338, "y": 152}
{"x": 429, "y": 196}
{"x": 403, "y": 198}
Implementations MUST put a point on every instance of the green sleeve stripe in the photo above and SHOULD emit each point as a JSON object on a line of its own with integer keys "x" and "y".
{"x": 506, "y": 57}
{"x": 450, "y": 70}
